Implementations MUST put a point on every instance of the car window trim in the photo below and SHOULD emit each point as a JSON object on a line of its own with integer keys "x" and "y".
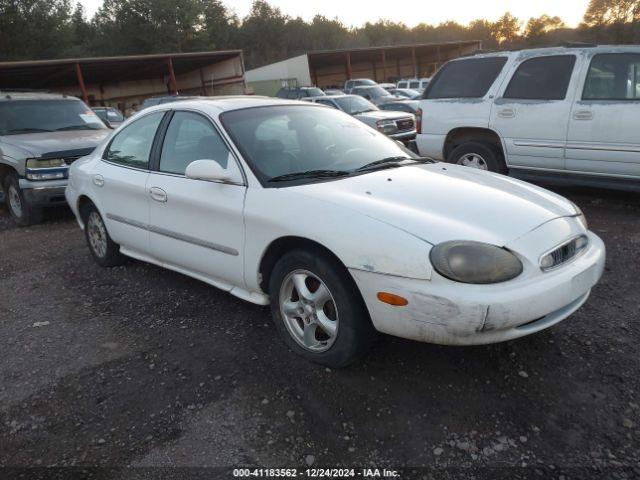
{"x": 106, "y": 149}
{"x": 539, "y": 57}
{"x": 160, "y": 140}
{"x": 586, "y": 77}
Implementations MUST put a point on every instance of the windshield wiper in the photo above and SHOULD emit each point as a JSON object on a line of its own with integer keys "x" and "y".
{"x": 28, "y": 130}
{"x": 75, "y": 127}
{"x": 309, "y": 174}
{"x": 390, "y": 162}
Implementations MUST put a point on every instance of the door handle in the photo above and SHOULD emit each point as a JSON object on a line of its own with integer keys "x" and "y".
{"x": 583, "y": 115}
{"x": 98, "y": 180}
{"x": 507, "y": 113}
{"x": 158, "y": 194}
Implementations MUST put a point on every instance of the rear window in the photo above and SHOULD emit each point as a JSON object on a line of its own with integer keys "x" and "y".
{"x": 469, "y": 78}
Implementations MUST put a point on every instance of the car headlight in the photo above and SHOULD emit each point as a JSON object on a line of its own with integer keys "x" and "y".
{"x": 45, "y": 169}
{"x": 387, "y": 126}
{"x": 474, "y": 262}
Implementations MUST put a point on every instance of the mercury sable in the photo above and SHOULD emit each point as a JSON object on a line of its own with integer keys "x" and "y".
{"x": 340, "y": 229}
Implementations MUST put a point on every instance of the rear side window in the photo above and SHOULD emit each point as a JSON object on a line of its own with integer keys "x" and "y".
{"x": 614, "y": 76}
{"x": 542, "y": 78}
{"x": 191, "y": 137}
{"x": 469, "y": 78}
{"x": 132, "y": 145}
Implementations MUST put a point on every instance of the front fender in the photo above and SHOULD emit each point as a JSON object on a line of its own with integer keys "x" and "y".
{"x": 360, "y": 242}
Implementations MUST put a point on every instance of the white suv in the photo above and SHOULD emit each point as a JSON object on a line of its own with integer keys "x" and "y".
{"x": 559, "y": 114}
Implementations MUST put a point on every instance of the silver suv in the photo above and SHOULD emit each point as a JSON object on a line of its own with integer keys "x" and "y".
{"x": 41, "y": 134}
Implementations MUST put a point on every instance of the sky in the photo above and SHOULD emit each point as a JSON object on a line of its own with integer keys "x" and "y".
{"x": 411, "y": 12}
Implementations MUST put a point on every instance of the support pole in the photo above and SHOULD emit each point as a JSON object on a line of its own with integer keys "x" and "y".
{"x": 384, "y": 66}
{"x": 348, "y": 65}
{"x": 83, "y": 87}
{"x": 172, "y": 77}
{"x": 415, "y": 62}
{"x": 204, "y": 88}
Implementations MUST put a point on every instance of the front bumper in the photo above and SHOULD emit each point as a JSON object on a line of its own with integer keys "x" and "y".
{"x": 449, "y": 313}
{"x": 44, "y": 193}
{"x": 404, "y": 136}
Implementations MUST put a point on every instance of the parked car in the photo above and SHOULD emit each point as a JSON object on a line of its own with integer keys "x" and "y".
{"x": 111, "y": 117}
{"x": 555, "y": 114}
{"x": 414, "y": 83}
{"x": 396, "y": 125}
{"x": 161, "y": 99}
{"x": 406, "y": 93}
{"x": 388, "y": 86}
{"x": 299, "y": 93}
{"x": 375, "y": 94}
{"x": 357, "y": 82}
{"x": 409, "y": 106}
{"x": 333, "y": 91}
{"x": 340, "y": 229}
{"x": 41, "y": 134}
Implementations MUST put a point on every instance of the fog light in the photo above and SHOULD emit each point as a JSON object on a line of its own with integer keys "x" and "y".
{"x": 392, "y": 299}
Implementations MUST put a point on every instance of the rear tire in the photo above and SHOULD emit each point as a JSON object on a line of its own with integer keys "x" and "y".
{"x": 104, "y": 250}
{"x": 479, "y": 155}
{"x": 20, "y": 210}
{"x": 328, "y": 323}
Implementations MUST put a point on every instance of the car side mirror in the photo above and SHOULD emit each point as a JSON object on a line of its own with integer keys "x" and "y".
{"x": 209, "y": 170}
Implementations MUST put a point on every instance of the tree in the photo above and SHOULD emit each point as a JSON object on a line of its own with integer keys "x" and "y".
{"x": 537, "y": 28}
{"x": 615, "y": 20}
{"x": 34, "y": 28}
{"x": 506, "y": 29}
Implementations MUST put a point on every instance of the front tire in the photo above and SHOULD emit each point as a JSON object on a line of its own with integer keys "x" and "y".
{"x": 318, "y": 309}
{"x": 20, "y": 210}
{"x": 103, "y": 249}
{"x": 482, "y": 156}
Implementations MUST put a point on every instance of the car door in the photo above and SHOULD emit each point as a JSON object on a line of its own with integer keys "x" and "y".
{"x": 120, "y": 182}
{"x": 531, "y": 114}
{"x": 195, "y": 225}
{"x": 603, "y": 127}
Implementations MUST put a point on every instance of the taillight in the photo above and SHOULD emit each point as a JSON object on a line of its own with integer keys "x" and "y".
{"x": 419, "y": 120}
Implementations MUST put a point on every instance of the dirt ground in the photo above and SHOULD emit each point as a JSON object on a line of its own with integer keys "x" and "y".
{"x": 142, "y": 367}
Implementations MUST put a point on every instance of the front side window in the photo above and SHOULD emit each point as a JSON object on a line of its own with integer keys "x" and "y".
{"x": 281, "y": 140}
{"x": 542, "y": 78}
{"x": 33, "y": 116}
{"x": 191, "y": 137}
{"x": 613, "y": 76}
{"x": 131, "y": 147}
{"x": 468, "y": 78}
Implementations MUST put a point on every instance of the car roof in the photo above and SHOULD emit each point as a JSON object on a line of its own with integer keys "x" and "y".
{"x": 230, "y": 102}
{"x": 10, "y": 95}
{"x": 532, "y": 52}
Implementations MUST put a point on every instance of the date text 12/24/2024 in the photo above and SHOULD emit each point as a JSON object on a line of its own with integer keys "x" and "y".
{"x": 315, "y": 473}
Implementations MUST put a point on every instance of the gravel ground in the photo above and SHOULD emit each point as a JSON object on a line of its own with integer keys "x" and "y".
{"x": 142, "y": 367}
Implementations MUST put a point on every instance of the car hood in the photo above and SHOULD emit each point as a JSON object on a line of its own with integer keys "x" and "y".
{"x": 440, "y": 202}
{"x": 39, "y": 144}
{"x": 383, "y": 115}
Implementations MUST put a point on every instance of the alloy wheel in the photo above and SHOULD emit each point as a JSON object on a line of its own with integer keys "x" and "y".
{"x": 97, "y": 234}
{"x": 473, "y": 160}
{"x": 309, "y": 311}
{"x": 15, "y": 202}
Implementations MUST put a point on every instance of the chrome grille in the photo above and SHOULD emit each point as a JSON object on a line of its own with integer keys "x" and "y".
{"x": 563, "y": 253}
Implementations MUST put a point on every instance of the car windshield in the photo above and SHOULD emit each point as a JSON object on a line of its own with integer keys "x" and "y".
{"x": 110, "y": 114}
{"x": 288, "y": 140}
{"x": 32, "y": 116}
{"x": 314, "y": 92}
{"x": 376, "y": 91}
{"x": 354, "y": 104}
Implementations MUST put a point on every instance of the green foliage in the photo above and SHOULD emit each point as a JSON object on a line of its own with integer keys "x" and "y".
{"x": 33, "y": 29}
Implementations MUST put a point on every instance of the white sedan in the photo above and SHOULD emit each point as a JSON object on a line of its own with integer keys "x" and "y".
{"x": 340, "y": 229}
